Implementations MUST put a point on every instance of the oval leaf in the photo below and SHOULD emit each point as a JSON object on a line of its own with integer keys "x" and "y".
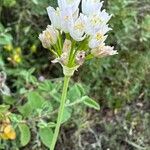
{"x": 91, "y": 103}
{"x": 66, "y": 115}
{"x": 35, "y": 100}
{"x": 25, "y": 134}
{"x": 46, "y": 135}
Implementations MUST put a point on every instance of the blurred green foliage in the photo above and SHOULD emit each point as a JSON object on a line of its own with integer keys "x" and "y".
{"x": 120, "y": 84}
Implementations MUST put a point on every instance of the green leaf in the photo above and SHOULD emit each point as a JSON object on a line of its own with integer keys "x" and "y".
{"x": 55, "y": 95}
{"x": 46, "y": 86}
{"x": 43, "y": 124}
{"x": 81, "y": 88}
{"x": 2, "y": 147}
{"x": 35, "y": 2}
{"x": 66, "y": 115}
{"x": 2, "y": 29}
{"x": 31, "y": 70}
{"x": 1, "y": 62}
{"x": 15, "y": 117}
{"x": 38, "y": 8}
{"x": 35, "y": 100}
{"x": 46, "y": 135}
{"x": 4, "y": 108}
{"x": 9, "y": 3}
{"x": 90, "y": 56}
{"x": 5, "y": 39}
{"x": 74, "y": 93}
{"x": 51, "y": 124}
{"x": 25, "y": 110}
{"x": 8, "y": 99}
{"x": 25, "y": 134}
{"x": 90, "y": 103}
{"x": 47, "y": 106}
{"x": 35, "y": 103}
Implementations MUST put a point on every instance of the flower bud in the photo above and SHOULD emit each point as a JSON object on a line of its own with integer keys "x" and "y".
{"x": 80, "y": 57}
{"x": 67, "y": 46}
{"x": 64, "y": 58}
{"x": 66, "y": 52}
{"x": 103, "y": 51}
{"x": 49, "y": 36}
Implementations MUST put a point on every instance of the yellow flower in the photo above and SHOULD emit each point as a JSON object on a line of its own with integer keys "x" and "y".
{"x": 9, "y": 132}
{"x": 18, "y": 50}
{"x": 6, "y": 130}
{"x": 8, "y": 47}
{"x": 33, "y": 48}
{"x": 16, "y": 58}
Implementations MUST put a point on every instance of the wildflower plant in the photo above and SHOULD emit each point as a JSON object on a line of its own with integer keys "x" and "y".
{"x": 75, "y": 37}
{"x": 6, "y": 129}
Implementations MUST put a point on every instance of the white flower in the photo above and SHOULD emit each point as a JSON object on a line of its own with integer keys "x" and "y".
{"x": 77, "y": 29}
{"x": 62, "y": 18}
{"x": 89, "y": 25}
{"x": 91, "y": 6}
{"x": 95, "y": 42}
{"x": 95, "y": 21}
{"x": 105, "y": 17}
{"x": 103, "y": 51}
{"x": 67, "y": 18}
{"x": 54, "y": 16}
{"x": 49, "y": 36}
{"x": 71, "y": 4}
{"x": 99, "y": 37}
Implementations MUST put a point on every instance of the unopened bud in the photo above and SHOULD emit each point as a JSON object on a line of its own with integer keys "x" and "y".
{"x": 49, "y": 36}
{"x": 62, "y": 60}
{"x": 80, "y": 57}
{"x": 67, "y": 46}
{"x": 103, "y": 51}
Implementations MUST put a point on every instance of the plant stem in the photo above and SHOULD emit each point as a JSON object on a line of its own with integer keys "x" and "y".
{"x": 60, "y": 112}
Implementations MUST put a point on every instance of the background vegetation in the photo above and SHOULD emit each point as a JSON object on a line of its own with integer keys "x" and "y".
{"x": 120, "y": 84}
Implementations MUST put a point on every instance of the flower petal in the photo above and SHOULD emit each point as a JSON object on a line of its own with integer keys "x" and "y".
{"x": 54, "y": 16}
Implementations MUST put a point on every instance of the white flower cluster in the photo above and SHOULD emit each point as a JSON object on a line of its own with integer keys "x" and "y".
{"x": 89, "y": 26}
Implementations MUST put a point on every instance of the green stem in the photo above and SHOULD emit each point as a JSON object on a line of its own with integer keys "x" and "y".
{"x": 52, "y": 51}
{"x": 60, "y": 112}
{"x": 70, "y": 63}
{"x": 60, "y": 41}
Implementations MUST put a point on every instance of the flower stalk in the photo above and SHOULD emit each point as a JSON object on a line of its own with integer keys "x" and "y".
{"x": 60, "y": 112}
{"x": 75, "y": 36}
